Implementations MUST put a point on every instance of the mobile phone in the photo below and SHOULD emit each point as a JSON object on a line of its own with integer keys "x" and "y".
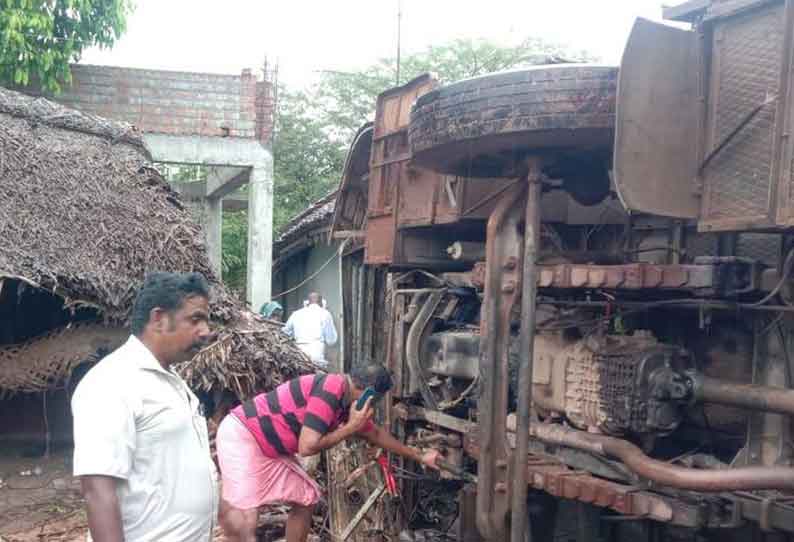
{"x": 369, "y": 392}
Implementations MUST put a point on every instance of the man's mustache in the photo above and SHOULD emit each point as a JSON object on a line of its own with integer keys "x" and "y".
{"x": 201, "y": 343}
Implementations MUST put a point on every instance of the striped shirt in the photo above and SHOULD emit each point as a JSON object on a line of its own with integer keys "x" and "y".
{"x": 276, "y": 418}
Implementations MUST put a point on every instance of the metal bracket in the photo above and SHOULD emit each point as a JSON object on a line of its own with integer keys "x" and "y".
{"x": 502, "y": 283}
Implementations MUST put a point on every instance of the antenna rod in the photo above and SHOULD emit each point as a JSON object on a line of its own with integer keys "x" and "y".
{"x": 399, "y": 28}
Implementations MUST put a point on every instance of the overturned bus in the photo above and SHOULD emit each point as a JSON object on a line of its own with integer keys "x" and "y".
{"x": 580, "y": 277}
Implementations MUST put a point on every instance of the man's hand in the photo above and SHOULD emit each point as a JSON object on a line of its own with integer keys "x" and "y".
{"x": 430, "y": 457}
{"x": 358, "y": 419}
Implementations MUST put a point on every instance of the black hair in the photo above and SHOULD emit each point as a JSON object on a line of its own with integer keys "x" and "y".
{"x": 373, "y": 376}
{"x": 166, "y": 291}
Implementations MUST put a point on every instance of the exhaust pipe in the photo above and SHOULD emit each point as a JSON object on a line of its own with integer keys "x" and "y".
{"x": 661, "y": 472}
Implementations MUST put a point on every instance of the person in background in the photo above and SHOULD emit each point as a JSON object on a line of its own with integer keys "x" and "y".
{"x": 312, "y": 327}
{"x": 272, "y": 310}
{"x": 141, "y": 446}
{"x": 258, "y": 441}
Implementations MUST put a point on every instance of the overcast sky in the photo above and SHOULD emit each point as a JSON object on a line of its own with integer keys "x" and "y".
{"x": 308, "y": 36}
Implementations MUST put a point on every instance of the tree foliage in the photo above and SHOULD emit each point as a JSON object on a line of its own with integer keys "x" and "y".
{"x": 234, "y": 261}
{"x": 307, "y": 159}
{"x": 40, "y": 38}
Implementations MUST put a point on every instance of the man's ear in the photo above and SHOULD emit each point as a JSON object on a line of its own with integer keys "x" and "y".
{"x": 157, "y": 319}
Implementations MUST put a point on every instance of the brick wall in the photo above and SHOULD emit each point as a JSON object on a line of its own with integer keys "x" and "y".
{"x": 177, "y": 103}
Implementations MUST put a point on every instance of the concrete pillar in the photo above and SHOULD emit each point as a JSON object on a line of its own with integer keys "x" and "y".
{"x": 260, "y": 233}
{"x": 239, "y": 154}
{"x": 213, "y": 228}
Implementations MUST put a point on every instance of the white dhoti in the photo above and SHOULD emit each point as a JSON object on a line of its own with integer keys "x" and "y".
{"x": 316, "y": 353}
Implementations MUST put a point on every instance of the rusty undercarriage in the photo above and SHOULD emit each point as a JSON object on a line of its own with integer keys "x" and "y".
{"x": 580, "y": 277}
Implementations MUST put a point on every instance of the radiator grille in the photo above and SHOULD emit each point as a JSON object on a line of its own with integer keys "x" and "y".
{"x": 747, "y": 55}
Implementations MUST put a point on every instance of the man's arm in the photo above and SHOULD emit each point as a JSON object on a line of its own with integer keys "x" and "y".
{"x": 102, "y": 504}
{"x": 383, "y": 439}
{"x": 329, "y": 330}
{"x": 313, "y": 441}
{"x": 104, "y": 439}
{"x": 289, "y": 327}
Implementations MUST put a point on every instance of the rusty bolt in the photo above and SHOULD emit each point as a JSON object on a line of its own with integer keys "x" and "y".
{"x": 501, "y": 464}
{"x": 511, "y": 263}
{"x": 500, "y": 487}
{"x": 509, "y": 287}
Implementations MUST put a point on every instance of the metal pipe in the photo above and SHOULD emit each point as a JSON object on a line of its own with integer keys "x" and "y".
{"x": 412, "y": 346}
{"x": 520, "y": 531}
{"x": 749, "y": 396}
{"x": 674, "y": 303}
{"x": 663, "y": 473}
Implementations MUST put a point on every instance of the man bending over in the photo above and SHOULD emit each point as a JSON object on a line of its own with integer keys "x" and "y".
{"x": 258, "y": 440}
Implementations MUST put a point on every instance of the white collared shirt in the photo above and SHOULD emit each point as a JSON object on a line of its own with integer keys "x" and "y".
{"x": 138, "y": 422}
{"x": 313, "y": 328}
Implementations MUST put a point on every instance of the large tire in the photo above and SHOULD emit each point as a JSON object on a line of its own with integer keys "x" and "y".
{"x": 481, "y": 127}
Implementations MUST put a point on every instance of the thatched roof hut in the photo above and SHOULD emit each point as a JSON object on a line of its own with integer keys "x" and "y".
{"x": 84, "y": 216}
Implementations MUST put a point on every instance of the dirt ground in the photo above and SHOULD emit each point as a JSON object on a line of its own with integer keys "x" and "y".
{"x": 44, "y": 505}
{"x": 41, "y": 501}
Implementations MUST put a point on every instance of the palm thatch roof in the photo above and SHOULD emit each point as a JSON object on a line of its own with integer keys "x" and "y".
{"x": 84, "y": 215}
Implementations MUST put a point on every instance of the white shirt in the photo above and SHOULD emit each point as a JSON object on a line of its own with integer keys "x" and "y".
{"x": 312, "y": 327}
{"x": 135, "y": 421}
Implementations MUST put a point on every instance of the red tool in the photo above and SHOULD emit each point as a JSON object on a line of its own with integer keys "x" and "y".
{"x": 388, "y": 475}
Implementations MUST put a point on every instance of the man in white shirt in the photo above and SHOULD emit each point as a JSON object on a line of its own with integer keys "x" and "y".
{"x": 312, "y": 327}
{"x": 141, "y": 445}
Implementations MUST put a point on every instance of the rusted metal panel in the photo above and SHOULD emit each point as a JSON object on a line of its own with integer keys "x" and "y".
{"x": 449, "y": 201}
{"x": 390, "y": 166}
{"x": 379, "y": 244}
{"x": 427, "y": 198}
{"x": 418, "y": 193}
{"x": 656, "y": 127}
{"x": 740, "y": 181}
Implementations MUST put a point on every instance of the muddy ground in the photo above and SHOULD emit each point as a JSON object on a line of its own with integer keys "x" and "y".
{"x": 39, "y": 499}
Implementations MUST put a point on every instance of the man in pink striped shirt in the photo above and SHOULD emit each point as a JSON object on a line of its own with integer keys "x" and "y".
{"x": 257, "y": 443}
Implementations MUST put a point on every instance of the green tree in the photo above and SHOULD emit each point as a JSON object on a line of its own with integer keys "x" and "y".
{"x": 307, "y": 158}
{"x": 40, "y": 38}
{"x": 234, "y": 249}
